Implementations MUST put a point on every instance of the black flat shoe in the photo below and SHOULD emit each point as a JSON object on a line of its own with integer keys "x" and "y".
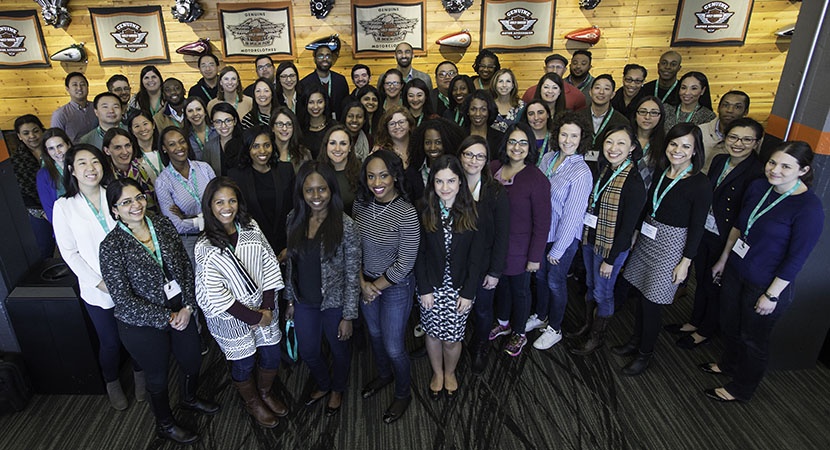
{"x": 433, "y": 395}
{"x": 396, "y": 409}
{"x": 713, "y": 395}
{"x": 688, "y": 342}
{"x": 630, "y": 348}
{"x": 312, "y": 399}
{"x": 374, "y": 386}
{"x": 638, "y": 365}
{"x": 707, "y": 368}
{"x": 332, "y": 410}
{"x": 675, "y": 328}
{"x": 452, "y": 395}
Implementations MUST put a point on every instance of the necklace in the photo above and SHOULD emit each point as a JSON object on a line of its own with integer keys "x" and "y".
{"x": 376, "y": 214}
{"x": 316, "y": 127}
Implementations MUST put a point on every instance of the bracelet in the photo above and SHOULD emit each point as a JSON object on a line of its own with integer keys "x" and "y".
{"x": 771, "y": 298}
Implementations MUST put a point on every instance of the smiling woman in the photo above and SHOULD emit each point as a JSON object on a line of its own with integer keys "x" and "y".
{"x": 125, "y": 157}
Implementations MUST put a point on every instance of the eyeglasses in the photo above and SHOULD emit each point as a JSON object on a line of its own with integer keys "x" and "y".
{"x": 472, "y": 156}
{"x": 397, "y": 123}
{"x": 746, "y": 140}
{"x": 283, "y": 125}
{"x": 392, "y": 83}
{"x": 447, "y": 74}
{"x": 633, "y": 80}
{"x": 486, "y": 66}
{"x": 645, "y": 112}
{"x": 288, "y": 76}
{"x": 130, "y": 201}
{"x": 264, "y": 66}
{"x": 520, "y": 143}
{"x": 226, "y": 122}
{"x": 323, "y": 57}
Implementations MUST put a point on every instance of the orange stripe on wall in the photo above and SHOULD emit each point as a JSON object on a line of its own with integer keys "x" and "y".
{"x": 4, "y": 150}
{"x": 819, "y": 140}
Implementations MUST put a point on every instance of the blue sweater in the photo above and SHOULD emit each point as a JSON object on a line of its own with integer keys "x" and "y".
{"x": 781, "y": 240}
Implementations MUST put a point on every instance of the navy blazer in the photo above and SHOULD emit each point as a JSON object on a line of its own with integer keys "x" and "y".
{"x": 727, "y": 198}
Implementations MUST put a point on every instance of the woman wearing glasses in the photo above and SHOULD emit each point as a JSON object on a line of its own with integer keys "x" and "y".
{"x": 288, "y": 77}
{"x": 288, "y": 146}
{"x": 223, "y": 153}
{"x": 146, "y": 268}
{"x": 485, "y": 66}
{"x": 440, "y": 96}
{"x": 647, "y": 121}
{"x": 394, "y": 134}
{"x": 529, "y": 193}
{"x": 729, "y": 176}
{"x": 625, "y": 99}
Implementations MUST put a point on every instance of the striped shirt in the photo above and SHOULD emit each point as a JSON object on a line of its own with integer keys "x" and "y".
{"x": 389, "y": 236}
{"x": 174, "y": 190}
{"x": 570, "y": 186}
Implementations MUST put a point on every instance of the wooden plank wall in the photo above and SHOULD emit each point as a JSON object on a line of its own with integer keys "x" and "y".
{"x": 633, "y": 31}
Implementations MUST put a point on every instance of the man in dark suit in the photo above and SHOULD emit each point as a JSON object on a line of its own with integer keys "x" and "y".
{"x": 333, "y": 83}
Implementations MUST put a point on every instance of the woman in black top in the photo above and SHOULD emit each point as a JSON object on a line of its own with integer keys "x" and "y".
{"x": 26, "y": 162}
{"x": 729, "y": 176}
{"x": 433, "y": 138}
{"x": 337, "y": 153}
{"x": 264, "y": 103}
{"x": 480, "y": 113}
{"x": 267, "y": 187}
{"x": 314, "y": 114}
{"x": 460, "y": 88}
{"x": 149, "y": 276}
{"x": 223, "y": 153}
{"x": 675, "y": 214}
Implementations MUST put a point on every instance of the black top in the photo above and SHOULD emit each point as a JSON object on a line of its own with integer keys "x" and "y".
{"x": 26, "y": 167}
{"x": 230, "y": 154}
{"x": 203, "y": 91}
{"x": 282, "y": 176}
{"x": 618, "y": 102}
{"x": 673, "y": 98}
{"x": 346, "y": 191}
{"x": 728, "y": 196}
{"x": 632, "y": 200}
{"x": 494, "y": 227}
{"x": 308, "y": 274}
{"x": 266, "y": 195}
{"x": 685, "y": 206}
{"x": 339, "y": 91}
{"x": 313, "y": 140}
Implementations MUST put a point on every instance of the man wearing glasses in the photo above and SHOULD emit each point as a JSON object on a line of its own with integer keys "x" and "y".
{"x": 574, "y": 98}
{"x": 264, "y": 69}
{"x": 439, "y": 96}
{"x": 333, "y": 83}
{"x": 733, "y": 105}
{"x": 208, "y": 85}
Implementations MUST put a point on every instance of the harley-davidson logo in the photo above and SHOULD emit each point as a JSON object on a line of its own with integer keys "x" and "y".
{"x": 517, "y": 23}
{"x": 257, "y": 32}
{"x": 715, "y": 16}
{"x": 389, "y": 27}
{"x": 128, "y": 36}
{"x": 11, "y": 42}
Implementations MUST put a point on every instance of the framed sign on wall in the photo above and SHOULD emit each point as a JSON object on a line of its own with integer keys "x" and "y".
{"x": 21, "y": 40}
{"x": 517, "y": 25}
{"x": 380, "y": 25}
{"x": 251, "y": 29}
{"x": 706, "y": 22}
{"x": 129, "y": 35}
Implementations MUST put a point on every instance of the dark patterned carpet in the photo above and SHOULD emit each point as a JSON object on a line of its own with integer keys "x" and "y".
{"x": 541, "y": 400}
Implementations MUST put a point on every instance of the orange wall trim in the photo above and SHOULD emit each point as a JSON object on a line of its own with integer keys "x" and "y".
{"x": 819, "y": 140}
{"x": 4, "y": 150}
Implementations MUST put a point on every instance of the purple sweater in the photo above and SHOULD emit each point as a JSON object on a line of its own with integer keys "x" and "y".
{"x": 529, "y": 195}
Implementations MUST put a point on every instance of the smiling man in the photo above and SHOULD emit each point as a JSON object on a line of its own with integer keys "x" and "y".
{"x": 264, "y": 69}
{"x": 403, "y": 56}
{"x": 601, "y": 115}
{"x": 173, "y": 112}
{"x": 733, "y": 105}
{"x": 76, "y": 118}
{"x": 208, "y": 86}
{"x": 634, "y": 75}
{"x": 574, "y": 98}
{"x": 119, "y": 85}
{"x": 107, "y": 107}
{"x": 581, "y": 72}
{"x": 665, "y": 87}
{"x": 361, "y": 76}
{"x": 333, "y": 83}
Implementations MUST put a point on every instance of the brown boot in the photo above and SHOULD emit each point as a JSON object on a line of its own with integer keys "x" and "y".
{"x": 257, "y": 409}
{"x": 590, "y": 306}
{"x": 264, "y": 382}
{"x": 597, "y": 339}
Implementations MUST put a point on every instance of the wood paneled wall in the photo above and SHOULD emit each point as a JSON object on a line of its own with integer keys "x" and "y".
{"x": 632, "y": 31}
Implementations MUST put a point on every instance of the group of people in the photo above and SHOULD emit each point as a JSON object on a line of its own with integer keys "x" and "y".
{"x": 232, "y": 209}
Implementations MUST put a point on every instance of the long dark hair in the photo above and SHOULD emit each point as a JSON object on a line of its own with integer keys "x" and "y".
{"x": 255, "y": 113}
{"x": 70, "y": 183}
{"x": 657, "y": 138}
{"x": 636, "y": 154}
{"x": 559, "y": 105}
{"x": 220, "y": 94}
{"x": 803, "y": 153}
{"x": 492, "y": 109}
{"x": 460, "y": 79}
{"x": 140, "y": 113}
{"x": 532, "y": 151}
{"x": 227, "y": 108}
{"x": 394, "y": 165}
{"x": 418, "y": 83}
{"x": 451, "y": 136}
{"x": 214, "y": 231}
{"x": 371, "y": 122}
{"x": 295, "y": 150}
{"x": 471, "y": 140}
{"x": 538, "y": 101}
{"x": 463, "y": 212}
{"x": 115, "y": 131}
{"x": 48, "y": 162}
{"x": 143, "y": 97}
{"x": 282, "y": 67}
{"x": 302, "y": 105}
{"x": 349, "y": 103}
{"x": 330, "y": 232}
{"x": 188, "y": 127}
{"x": 248, "y": 138}
{"x": 382, "y": 85}
{"x": 698, "y": 153}
{"x": 165, "y": 159}
{"x": 23, "y": 120}
{"x": 706, "y": 97}
{"x": 114, "y": 191}
{"x": 352, "y": 161}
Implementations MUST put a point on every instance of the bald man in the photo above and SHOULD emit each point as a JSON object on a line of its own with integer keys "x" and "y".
{"x": 666, "y": 86}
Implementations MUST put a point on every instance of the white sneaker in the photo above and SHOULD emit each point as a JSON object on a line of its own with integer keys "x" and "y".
{"x": 548, "y": 339}
{"x": 533, "y": 323}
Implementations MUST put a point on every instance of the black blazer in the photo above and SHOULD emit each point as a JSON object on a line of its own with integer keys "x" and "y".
{"x": 465, "y": 260}
{"x": 494, "y": 228}
{"x": 339, "y": 90}
{"x": 283, "y": 176}
{"x": 728, "y": 197}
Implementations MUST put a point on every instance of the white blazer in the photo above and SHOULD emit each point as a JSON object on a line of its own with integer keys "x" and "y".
{"x": 79, "y": 234}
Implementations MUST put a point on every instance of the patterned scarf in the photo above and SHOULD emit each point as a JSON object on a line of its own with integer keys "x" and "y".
{"x": 607, "y": 213}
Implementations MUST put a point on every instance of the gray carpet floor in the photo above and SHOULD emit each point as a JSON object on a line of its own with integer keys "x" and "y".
{"x": 540, "y": 400}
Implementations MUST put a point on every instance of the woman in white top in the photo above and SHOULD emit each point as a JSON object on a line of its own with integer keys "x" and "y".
{"x": 81, "y": 221}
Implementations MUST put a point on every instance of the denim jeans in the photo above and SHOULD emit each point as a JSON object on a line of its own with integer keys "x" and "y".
{"x": 312, "y": 324}
{"x": 552, "y": 286}
{"x": 483, "y": 311}
{"x": 44, "y": 236}
{"x": 513, "y": 300}
{"x": 109, "y": 342}
{"x": 601, "y": 289}
{"x": 269, "y": 358}
{"x": 386, "y": 319}
{"x": 745, "y": 333}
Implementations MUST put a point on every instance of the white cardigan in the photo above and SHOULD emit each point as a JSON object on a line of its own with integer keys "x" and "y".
{"x": 79, "y": 234}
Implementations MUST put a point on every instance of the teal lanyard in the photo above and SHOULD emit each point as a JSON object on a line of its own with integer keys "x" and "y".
{"x": 645, "y": 150}
{"x": 544, "y": 148}
{"x": 602, "y": 127}
{"x": 207, "y": 94}
{"x": 655, "y": 200}
{"x": 757, "y": 215}
{"x": 199, "y": 141}
{"x": 599, "y": 190}
{"x": 445, "y": 212}
{"x": 688, "y": 116}
{"x": 98, "y": 214}
{"x": 194, "y": 190}
{"x": 549, "y": 169}
{"x": 657, "y": 87}
{"x": 156, "y": 253}
{"x": 723, "y": 172}
{"x": 153, "y": 166}
{"x": 444, "y": 100}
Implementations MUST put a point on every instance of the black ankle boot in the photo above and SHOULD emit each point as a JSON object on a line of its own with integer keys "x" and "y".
{"x": 590, "y": 307}
{"x": 638, "y": 365}
{"x": 630, "y": 348}
{"x": 480, "y": 358}
{"x": 166, "y": 426}
{"x": 191, "y": 402}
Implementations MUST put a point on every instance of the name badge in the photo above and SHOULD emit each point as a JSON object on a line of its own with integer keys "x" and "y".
{"x": 590, "y": 220}
{"x": 172, "y": 289}
{"x": 740, "y": 248}
{"x": 592, "y": 155}
{"x": 711, "y": 225}
{"x": 648, "y": 230}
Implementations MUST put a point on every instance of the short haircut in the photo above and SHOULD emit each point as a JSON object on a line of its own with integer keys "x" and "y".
{"x": 172, "y": 80}
{"x": 268, "y": 57}
{"x": 738, "y": 93}
{"x": 116, "y": 77}
{"x": 72, "y": 75}
{"x": 556, "y": 56}
{"x": 635, "y": 67}
{"x": 357, "y": 67}
{"x": 584, "y": 52}
{"x": 102, "y": 95}
{"x": 445, "y": 62}
{"x": 605, "y": 76}
{"x": 208, "y": 55}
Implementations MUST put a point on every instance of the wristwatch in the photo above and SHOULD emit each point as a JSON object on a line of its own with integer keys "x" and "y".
{"x": 770, "y": 297}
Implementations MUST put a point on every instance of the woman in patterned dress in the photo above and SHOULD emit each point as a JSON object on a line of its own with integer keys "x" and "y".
{"x": 448, "y": 269}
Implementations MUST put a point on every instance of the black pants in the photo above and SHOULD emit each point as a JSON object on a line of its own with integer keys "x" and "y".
{"x": 647, "y": 322}
{"x": 746, "y": 333}
{"x": 706, "y": 309}
{"x": 151, "y": 347}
